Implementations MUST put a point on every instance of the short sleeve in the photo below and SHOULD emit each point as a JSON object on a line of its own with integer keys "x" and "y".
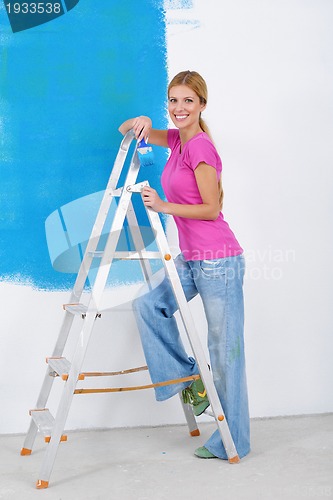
{"x": 203, "y": 150}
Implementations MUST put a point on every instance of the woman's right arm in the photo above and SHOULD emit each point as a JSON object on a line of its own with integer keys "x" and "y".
{"x": 142, "y": 127}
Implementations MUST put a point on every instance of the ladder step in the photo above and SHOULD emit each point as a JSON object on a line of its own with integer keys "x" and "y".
{"x": 44, "y": 421}
{"x": 61, "y": 367}
{"x": 145, "y": 254}
{"x": 78, "y": 309}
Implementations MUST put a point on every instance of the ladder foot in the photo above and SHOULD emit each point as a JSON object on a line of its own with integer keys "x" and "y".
{"x": 196, "y": 432}
{"x": 42, "y": 484}
{"x": 234, "y": 460}
{"x": 25, "y": 452}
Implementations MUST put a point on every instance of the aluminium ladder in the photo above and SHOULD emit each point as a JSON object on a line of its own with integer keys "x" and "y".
{"x": 70, "y": 372}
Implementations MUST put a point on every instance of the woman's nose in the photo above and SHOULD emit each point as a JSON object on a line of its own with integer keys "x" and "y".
{"x": 180, "y": 106}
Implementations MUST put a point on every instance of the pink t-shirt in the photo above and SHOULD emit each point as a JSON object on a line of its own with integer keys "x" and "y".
{"x": 198, "y": 239}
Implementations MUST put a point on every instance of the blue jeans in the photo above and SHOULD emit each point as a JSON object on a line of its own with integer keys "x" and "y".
{"x": 220, "y": 285}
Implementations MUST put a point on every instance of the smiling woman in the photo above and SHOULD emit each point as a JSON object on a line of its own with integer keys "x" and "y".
{"x": 210, "y": 264}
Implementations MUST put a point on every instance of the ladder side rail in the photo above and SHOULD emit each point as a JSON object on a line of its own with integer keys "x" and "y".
{"x": 148, "y": 274}
{"x": 96, "y": 231}
{"x": 120, "y": 160}
{"x": 193, "y": 336}
{"x": 112, "y": 240}
{"x": 190, "y": 418}
{"x": 76, "y": 364}
{"x": 66, "y": 399}
{"x": 48, "y": 380}
{"x": 88, "y": 323}
{"x": 101, "y": 217}
{"x": 80, "y": 280}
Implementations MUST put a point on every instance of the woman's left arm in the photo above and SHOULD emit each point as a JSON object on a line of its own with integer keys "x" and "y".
{"x": 209, "y": 209}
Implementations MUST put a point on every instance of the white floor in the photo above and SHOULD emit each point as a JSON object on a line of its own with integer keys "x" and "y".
{"x": 291, "y": 458}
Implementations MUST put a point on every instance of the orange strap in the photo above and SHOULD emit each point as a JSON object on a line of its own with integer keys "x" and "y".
{"x": 138, "y": 387}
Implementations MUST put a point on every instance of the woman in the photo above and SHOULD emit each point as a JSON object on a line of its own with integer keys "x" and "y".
{"x": 210, "y": 263}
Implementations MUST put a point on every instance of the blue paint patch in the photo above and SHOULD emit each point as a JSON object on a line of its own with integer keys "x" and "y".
{"x": 193, "y": 24}
{"x": 178, "y": 4}
{"x": 65, "y": 88}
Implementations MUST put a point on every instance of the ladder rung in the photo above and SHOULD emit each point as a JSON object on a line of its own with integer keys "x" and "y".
{"x": 145, "y": 254}
{"x": 78, "y": 309}
{"x": 44, "y": 421}
{"x": 98, "y": 254}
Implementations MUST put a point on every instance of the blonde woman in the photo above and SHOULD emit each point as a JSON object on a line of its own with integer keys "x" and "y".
{"x": 210, "y": 264}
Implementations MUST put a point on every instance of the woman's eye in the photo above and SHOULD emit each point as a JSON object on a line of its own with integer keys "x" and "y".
{"x": 189, "y": 100}
{"x": 172, "y": 100}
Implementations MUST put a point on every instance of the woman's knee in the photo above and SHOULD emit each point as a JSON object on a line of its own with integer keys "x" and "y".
{"x": 140, "y": 304}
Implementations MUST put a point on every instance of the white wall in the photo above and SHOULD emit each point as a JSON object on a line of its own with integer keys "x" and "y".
{"x": 268, "y": 65}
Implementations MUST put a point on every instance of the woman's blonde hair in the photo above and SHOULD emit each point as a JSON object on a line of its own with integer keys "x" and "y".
{"x": 195, "y": 82}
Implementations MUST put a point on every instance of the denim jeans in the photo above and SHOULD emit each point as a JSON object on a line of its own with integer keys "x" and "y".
{"x": 220, "y": 285}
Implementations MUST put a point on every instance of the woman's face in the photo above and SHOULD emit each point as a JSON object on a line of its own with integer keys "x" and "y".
{"x": 184, "y": 107}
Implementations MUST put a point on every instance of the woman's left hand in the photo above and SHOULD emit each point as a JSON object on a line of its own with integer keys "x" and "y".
{"x": 152, "y": 200}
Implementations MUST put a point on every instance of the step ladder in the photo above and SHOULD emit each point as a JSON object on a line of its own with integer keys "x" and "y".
{"x": 57, "y": 366}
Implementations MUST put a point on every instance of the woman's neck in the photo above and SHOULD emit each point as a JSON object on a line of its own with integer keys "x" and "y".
{"x": 185, "y": 135}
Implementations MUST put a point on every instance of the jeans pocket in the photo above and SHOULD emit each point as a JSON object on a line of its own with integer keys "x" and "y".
{"x": 212, "y": 269}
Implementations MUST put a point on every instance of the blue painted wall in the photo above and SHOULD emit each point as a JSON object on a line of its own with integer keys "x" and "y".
{"x": 65, "y": 87}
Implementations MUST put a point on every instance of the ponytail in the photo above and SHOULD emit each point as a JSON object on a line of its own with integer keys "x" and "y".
{"x": 204, "y": 127}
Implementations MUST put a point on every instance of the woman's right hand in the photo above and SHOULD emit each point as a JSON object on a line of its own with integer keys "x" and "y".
{"x": 141, "y": 127}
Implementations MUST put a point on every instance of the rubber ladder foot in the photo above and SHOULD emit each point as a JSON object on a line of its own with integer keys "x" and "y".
{"x": 196, "y": 432}
{"x": 42, "y": 484}
{"x": 234, "y": 460}
{"x": 25, "y": 452}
